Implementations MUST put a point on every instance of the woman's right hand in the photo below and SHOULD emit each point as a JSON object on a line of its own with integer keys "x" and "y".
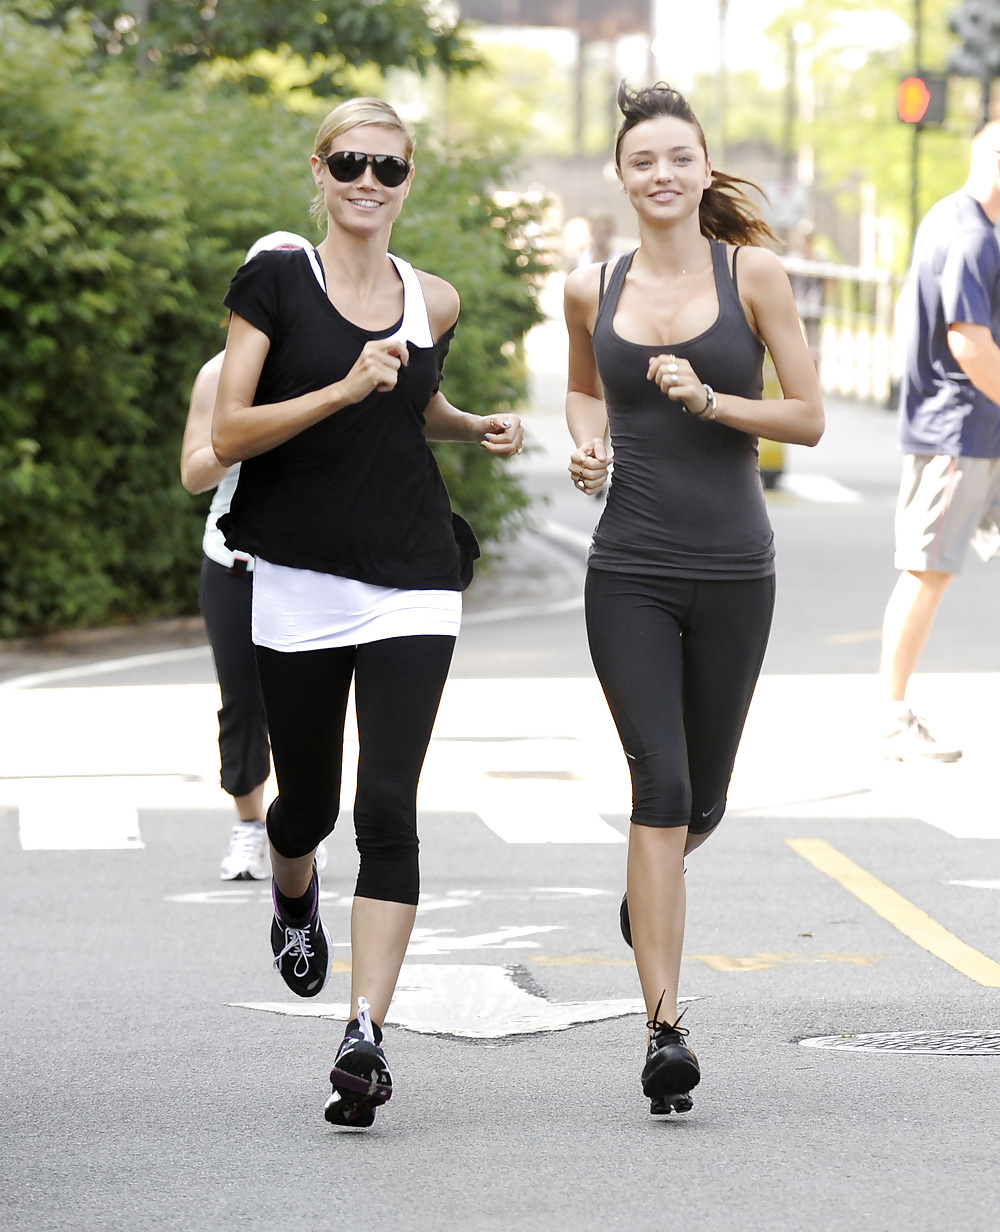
{"x": 588, "y": 465}
{"x": 377, "y": 368}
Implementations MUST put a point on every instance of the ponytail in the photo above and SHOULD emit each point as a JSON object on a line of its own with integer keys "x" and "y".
{"x": 726, "y": 212}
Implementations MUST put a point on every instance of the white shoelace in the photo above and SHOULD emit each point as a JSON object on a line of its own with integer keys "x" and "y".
{"x": 246, "y": 840}
{"x": 297, "y": 944}
{"x": 365, "y": 1020}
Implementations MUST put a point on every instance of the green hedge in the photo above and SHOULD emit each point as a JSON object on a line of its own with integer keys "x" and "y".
{"x": 124, "y": 209}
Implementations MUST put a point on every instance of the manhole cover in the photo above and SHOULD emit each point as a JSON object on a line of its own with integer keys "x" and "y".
{"x": 955, "y": 1043}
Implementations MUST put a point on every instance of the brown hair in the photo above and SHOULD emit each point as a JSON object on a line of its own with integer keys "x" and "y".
{"x": 355, "y": 113}
{"x": 726, "y": 212}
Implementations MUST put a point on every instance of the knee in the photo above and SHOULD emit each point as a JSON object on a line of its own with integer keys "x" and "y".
{"x": 660, "y": 790}
{"x": 293, "y": 835}
{"x": 385, "y": 820}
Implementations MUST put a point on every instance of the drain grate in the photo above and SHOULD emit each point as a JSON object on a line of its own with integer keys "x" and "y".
{"x": 953, "y": 1043}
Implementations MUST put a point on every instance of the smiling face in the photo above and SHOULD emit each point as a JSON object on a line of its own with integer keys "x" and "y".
{"x": 364, "y": 205}
{"x": 663, "y": 169}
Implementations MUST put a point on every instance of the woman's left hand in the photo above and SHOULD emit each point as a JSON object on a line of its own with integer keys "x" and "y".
{"x": 502, "y": 435}
{"x": 679, "y": 381}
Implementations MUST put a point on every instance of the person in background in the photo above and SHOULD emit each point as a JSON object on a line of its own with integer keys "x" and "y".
{"x": 600, "y": 248}
{"x": 666, "y": 348}
{"x": 224, "y": 596}
{"x": 949, "y": 430}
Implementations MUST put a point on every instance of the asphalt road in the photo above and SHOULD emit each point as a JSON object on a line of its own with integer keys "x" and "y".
{"x": 158, "y": 1076}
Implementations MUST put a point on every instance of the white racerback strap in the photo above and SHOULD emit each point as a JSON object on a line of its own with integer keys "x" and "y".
{"x": 416, "y": 326}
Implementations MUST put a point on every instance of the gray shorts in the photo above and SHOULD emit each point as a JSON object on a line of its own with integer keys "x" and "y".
{"x": 944, "y": 505}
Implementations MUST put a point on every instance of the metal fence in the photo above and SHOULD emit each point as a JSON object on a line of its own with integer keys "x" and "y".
{"x": 847, "y": 314}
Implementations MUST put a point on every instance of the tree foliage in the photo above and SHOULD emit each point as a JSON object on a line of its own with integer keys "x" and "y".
{"x": 853, "y": 54}
{"x": 125, "y": 207}
{"x": 180, "y": 34}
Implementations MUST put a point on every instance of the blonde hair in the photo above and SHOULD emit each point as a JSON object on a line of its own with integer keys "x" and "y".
{"x": 355, "y": 113}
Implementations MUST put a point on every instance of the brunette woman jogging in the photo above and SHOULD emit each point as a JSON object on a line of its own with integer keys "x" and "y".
{"x": 666, "y": 350}
{"x": 328, "y": 393}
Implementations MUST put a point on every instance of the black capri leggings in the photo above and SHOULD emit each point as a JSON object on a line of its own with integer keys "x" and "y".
{"x": 225, "y": 604}
{"x": 397, "y": 688}
{"x": 678, "y": 660}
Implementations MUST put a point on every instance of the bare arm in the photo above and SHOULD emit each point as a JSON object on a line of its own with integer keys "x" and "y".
{"x": 241, "y": 430}
{"x": 499, "y": 434}
{"x": 586, "y": 412}
{"x": 978, "y": 356}
{"x": 200, "y": 468}
{"x": 796, "y": 417}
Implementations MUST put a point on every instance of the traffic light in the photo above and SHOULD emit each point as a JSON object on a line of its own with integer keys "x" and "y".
{"x": 977, "y": 24}
{"x": 920, "y": 100}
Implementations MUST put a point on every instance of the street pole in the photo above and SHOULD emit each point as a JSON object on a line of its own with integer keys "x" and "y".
{"x": 918, "y": 27}
{"x": 719, "y": 156}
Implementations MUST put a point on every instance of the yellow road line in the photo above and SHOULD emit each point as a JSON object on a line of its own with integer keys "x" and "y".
{"x": 848, "y": 639}
{"x": 898, "y": 911}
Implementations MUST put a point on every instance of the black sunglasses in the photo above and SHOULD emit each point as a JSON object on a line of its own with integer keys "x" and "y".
{"x": 348, "y": 165}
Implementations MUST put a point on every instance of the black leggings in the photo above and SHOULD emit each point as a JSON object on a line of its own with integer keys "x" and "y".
{"x": 397, "y": 688}
{"x": 225, "y": 604}
{"x": 678, "y": 660}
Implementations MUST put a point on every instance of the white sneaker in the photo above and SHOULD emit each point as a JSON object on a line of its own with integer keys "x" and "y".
{"x": 909, "y": 738}
{"x": 320, "y": 857}
{"x": 246, "y": 859}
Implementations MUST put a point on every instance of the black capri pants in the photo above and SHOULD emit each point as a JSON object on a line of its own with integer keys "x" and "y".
{"x": 678, "y": 659}
{"x": 397, "y": 688}
{"x": 225, "y": 599}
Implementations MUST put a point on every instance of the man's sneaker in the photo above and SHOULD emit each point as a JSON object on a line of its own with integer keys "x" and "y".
{"x": 360, "y": 1076}
{"x": 671, "y": 1071}
{"x": 302, "y": 949}
{"x": 909, "y": 739}
{"x": 246, "y": 859}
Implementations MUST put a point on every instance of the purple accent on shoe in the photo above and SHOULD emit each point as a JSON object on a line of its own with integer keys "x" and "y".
{"x": 343, "y": 1081}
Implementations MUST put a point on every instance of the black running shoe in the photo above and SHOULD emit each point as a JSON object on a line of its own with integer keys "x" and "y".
{"x": 301, "y": 948}
{"x": 671, "y": 1071}
{"x": 625, "y": 922}
{"x": 360, "y": 1076}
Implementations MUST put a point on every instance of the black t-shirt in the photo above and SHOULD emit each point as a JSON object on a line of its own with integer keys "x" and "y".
{"x": 358, "y": 494}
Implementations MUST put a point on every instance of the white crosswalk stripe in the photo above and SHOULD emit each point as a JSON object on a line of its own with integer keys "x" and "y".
{"x": 538, "y": 760}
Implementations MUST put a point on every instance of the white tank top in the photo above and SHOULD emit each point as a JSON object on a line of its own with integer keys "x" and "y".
{"x": 299, "y": 609}
{"x": 213, "y": 543}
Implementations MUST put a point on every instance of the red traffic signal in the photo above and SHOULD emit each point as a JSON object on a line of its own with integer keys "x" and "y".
{"x": 921, "y": 100}
{"x": 912, "y": 98}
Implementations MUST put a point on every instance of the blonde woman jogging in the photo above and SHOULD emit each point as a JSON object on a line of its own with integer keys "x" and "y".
{"x": 328, "y": 393}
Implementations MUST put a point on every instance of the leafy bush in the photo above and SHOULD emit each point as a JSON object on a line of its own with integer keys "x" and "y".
{"x": 124, "y": 209}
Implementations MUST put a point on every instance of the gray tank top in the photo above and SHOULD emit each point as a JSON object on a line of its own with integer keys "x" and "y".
{"x": 686, "y": 499}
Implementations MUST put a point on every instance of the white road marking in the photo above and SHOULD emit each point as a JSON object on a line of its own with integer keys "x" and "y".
{"x": 77, "y": 815}
{"x": 573, "y": 891}
{"x": 819, "y": 488}
{"x": 155, "y": 747}
{"x": 431, "y": 942}
{"x": 472, "y": 1002}
{"x": 104, "y": 668}
{"x": 977, "y": 885}
{"x": 542, "y": 811}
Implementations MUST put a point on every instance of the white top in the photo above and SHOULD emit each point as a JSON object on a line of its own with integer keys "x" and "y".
{"x": 300, "y": 609}
{"x": 213, "y": 543}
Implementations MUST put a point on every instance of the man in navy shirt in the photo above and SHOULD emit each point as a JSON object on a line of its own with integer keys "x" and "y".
{"x": 949, "y": 427}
